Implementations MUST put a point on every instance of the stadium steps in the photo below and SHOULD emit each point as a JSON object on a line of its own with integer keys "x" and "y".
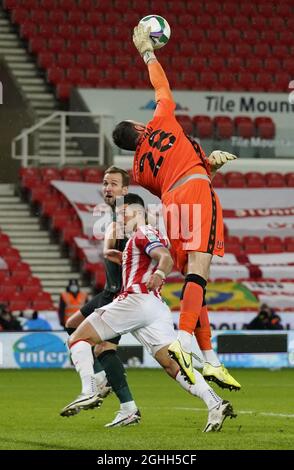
{"x": 34, "y": 244}
{"x": 34, "y": 88}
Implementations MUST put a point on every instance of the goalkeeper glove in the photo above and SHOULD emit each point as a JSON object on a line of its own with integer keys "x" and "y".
{"x": 218, "y": 158}
{"x": 142, "y": 42}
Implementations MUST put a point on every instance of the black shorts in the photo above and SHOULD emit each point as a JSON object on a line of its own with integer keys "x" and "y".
{"x": 101, "y": 299}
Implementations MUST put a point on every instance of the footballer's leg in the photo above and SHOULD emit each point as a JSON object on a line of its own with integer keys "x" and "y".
{"x": 191, "y": 303}
{"x": 213, "y": 370}
{"x": 218, "y": 409}
{"x": 80, "y": 345}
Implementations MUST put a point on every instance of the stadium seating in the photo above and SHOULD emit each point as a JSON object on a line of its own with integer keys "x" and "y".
{"x": 250, "y": 43}
{"x": 18, "y": 288}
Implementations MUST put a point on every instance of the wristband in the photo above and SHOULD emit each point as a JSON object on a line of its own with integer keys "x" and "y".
{"x": 147, "y": 56}
{"x": 160, "y": 274}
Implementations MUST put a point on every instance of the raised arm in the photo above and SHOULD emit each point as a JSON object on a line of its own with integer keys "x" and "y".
{"x": 157, "y": 75}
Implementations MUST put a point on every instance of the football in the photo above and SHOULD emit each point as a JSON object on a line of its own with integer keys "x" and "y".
{"x": 160, "y": 29}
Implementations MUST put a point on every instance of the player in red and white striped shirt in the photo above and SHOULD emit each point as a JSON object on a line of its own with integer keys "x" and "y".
{"x": 139, "y": 310}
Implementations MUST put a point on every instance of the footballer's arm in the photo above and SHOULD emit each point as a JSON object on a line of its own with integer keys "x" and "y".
{"x": 164, "y": 266}
{"x": 109, "y": 251}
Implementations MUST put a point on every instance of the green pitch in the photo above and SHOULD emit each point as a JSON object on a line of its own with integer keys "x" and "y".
{"x": 171, "y": 419}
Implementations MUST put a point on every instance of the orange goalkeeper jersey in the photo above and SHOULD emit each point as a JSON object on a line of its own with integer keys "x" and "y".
{"x": 165, "y": 153}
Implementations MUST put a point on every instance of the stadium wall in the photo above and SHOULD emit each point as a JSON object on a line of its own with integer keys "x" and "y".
{"x": 139, "y": 105}
{"x": 236, "y": 349}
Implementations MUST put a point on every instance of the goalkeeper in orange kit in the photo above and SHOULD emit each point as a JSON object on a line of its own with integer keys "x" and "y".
{"x": 175, "y": 168}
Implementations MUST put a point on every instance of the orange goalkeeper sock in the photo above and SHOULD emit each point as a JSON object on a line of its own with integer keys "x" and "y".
{"x": 202, "y": 331}
{"x": 191, "y": 302}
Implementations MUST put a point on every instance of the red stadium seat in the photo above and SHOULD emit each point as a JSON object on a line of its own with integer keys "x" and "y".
{"x": 289, "y": 244}
{"x": 235, "y": 179}
{"x": 275, "y": 180}
{"x": 75, "y": 76}
{"x": 243, "y": 50}
{"x": 49, "y": 174}
{"x": 224, "y": 127}
{"x": 37, "y": 44}
{"x": 246, "y": 80}
{"x": 280, "y": 51}
{"x": 258, "y": 22}
{"x": 203, "y": 127}
{"x": 264, "y": 79}
{"x": 226, "y": 80}
{"x": 20, "y": 15}
{"x": 266, "y": 9}
{"x": 85, "y": 32}
{"x": 244, "y": 126}
{"x": 272, "y": 65}
{"x": 76, "y": 17}
{"x": 57, "y": 17}
{"x": 283, "y": 79}
{"x": 76, "y": 46}
{"x": 255, "y": 180}
{"x": 273, "y": 245}
{"x": 94, "y": 76}
{"x": 290, "y": 179}
{"x": 55, "y": 75}
{"x": 233, "y": 35}
{"x": 186, "y": 122}
{"x": 93, "y": 175}
{"x": 241, "y": 22}
{"x": 66, "y": 31}
{"x": 231, "y": 9}
{"x": 71, "y": 174}
{"x": 214, "y": 35}
{"x": 233, "y": 245}
{"x": 63, "y": 91}
{"x": 50, "y": 206}
{"x": 28, "y": 30}
{"x": 269, "y": 37}
{"x": 277, "y": 24}
{"x": 46, "y": 59}
{"x": 204, "y": 21}
{"x": 248, "y": 9}
{"x": 216, "y": 64}
{"x": 251, "y": 37}
{"x": 222, "y": 21}
{"x": 56, "y": 45}
{"x": 252, "y": 245}
{"x": 19, "y": 304}
{"x": 265, "y": 127}
{"x": 95, "y": 18}
{"x": 235, "y": 64}
{"x": 68, "y": 234}
{"x": 219, "y": 180}
{"x": 253, "y": 64}
{"x": 288, "y": 65}
{"x": 65, "y": 60}
{"x": 224, "y": 49}
{"x": 47, "y": 31}
{"x": 39, "y": 16}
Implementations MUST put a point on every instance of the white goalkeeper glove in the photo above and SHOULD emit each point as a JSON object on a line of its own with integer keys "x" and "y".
{"x": 218, "y": 158}
{"x": 142, "y": 41}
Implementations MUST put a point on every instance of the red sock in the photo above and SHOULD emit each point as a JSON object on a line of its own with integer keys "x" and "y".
{"x": 203, "y": 332}
{"x": 190, "y": 306}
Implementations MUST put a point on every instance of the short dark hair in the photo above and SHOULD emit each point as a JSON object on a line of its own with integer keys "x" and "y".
{"x": 125, "y": 135}
{"x": 125, "y": 175}
{"x": 130, "y": 198}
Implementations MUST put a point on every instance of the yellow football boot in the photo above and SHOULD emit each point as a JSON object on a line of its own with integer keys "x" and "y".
{"x": 220, "y": 376}
{"x": 183, "y": 359}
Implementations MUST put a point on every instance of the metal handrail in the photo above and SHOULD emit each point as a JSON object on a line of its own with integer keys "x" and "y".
{"x": 62, "y": 159}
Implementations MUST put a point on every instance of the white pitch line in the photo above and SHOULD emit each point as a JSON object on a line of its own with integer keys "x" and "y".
{"x": 243, "y": 412}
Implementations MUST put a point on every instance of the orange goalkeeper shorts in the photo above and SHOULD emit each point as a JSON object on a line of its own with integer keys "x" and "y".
{"x": 193, "y": 220}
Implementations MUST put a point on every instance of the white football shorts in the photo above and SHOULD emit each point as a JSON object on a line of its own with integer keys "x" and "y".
{"x": 146, "y": 316}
